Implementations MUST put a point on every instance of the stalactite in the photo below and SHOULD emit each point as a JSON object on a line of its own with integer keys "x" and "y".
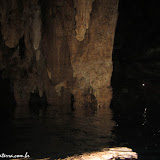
{"x": 83, "y": 11}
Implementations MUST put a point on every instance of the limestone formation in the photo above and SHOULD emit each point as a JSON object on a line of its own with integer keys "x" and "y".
{"x": 62, "y": 48}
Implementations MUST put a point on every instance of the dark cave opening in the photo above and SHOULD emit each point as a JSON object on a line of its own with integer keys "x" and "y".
{"x": 136, "y": 54}
{"x": 136, "y": 76}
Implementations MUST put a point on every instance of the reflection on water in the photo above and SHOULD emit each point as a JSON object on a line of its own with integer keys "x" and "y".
{"x": 58, "y": 132}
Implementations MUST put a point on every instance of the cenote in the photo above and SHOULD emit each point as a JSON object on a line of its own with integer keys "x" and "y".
{"x": 79, "y": 76}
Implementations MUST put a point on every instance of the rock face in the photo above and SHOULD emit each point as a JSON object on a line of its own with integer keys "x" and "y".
{"x": 20, "y": 47}
{"x": 61, "y": 48}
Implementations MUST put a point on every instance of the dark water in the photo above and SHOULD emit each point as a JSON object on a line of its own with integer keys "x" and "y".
{"x": 57, "y": 132}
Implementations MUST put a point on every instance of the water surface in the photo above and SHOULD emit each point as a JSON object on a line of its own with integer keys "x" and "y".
{"x": 58, "y": 132}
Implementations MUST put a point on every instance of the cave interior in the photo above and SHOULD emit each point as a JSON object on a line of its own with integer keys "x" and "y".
{"x": 31, "y": 76}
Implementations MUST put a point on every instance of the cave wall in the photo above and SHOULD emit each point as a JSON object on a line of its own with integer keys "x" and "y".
{"x": 62, "y": 48}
